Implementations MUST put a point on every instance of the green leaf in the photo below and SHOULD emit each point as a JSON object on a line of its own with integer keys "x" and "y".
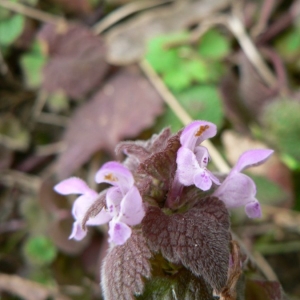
{"x": 40, "y": 250}
{"x": 268, "y": 192}
{"x": 282, "y": 126}
{"x": 202, "y": 103}
{"x": 214, "y": 45}
{"x": 177, "y": 80}
{"x": 13, "y": 134}
{"x": 289, "y": 43}
{"x": 10, "y": 29}
{"x": 32, "y": 64}
{"x": 161, "y": 58}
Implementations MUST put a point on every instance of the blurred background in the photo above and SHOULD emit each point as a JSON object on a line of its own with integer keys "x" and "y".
{"x": 78, "y": 76}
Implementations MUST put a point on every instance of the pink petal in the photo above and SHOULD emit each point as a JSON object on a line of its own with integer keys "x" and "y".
{"x": 196, "y": 132}
{"x": 114, "y": 197}
{"x": 202, "y": 156}
{"x": 213, "y": 177}
{"x": 77, "y": 232}
{"x": 187, "y": 166}
{"x": 253, "y": 209}
{"x": 101, "y": 218}
{"x": 118, "y": 232}
{"x": 202, "y": 181}
{"x": 236, "y": 190}
{"x": 73, "y": 185}
{"x": 252, "y": 158}
{"x": 116, "y": 174}
{"x": 82, "y": 204}
{"x": 132, "y": 209}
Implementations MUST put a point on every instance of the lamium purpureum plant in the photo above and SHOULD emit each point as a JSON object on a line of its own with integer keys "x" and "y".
{"x": 167, "y": 215}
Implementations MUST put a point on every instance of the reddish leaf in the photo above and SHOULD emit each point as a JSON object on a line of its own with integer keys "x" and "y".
{"x": 162, "y": 165}
{"x": 126, "y": 105}
{"x": 77, "y": 63}
{"x": 199, "y": 239}
{"x": 124, "y": 268}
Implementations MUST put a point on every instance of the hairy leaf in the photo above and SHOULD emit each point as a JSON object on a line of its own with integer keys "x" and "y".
{"x": 143, "y": 149}
{"x": 199, "y": 239}
{"x": 124, "y": 268}
{"x": 162, "y": 165}
{"x": 108, "y": 117}
{"x": 77, "y": 63}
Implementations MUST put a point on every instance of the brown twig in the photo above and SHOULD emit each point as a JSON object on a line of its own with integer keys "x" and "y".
{"x": 124, "y": 12}
{"x": 31, "y": 12}
{"x": 182, "y": 115}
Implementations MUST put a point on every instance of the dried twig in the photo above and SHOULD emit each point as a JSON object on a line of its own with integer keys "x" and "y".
{"x": 182, "y": 115}
{"x": 124, "y": 12}
{"x": 31, "y": 12}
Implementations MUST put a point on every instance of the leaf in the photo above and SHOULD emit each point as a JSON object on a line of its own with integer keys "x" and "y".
{"x": 125, "y": 268}
{"x": 32, "y": 64}
{"x": 201, "y": 102}
{"x": 181, "y": 285}
{"x": 74, "y": 67}
{"x": 10, "y": 29}
{"x": 13, "y": 135}
{"x": 199, "y": 239}
{"x": 282, "y": 127}
{"x": 264, "y": 290}
{"x": 40, "y": 250}
{"x": 162, "y": 165}
{"x": 163, "y": 59}
{"x": 214, "y": 45}
{"x": 108, "y": 117}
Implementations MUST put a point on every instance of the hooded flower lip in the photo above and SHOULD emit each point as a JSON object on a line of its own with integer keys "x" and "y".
{"x": 192, "y": 159}
{"x": 238, "y": 189}
{"x": 196, "y": 132}
{"x": 123, "y": 201}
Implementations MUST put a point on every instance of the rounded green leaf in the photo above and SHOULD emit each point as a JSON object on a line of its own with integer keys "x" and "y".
{"x": 10, "y": 29}
{"x": 40, "y": 250}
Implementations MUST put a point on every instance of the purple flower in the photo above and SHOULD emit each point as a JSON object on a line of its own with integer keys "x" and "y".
{"x": 123, "y": 201}
{"x": 238, "y": 189}
{"x": 192, "y": 159}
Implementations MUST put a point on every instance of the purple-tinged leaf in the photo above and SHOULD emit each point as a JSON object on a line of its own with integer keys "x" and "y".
{"x": 264, "y": 290}
{"x": 199, "y": 239}
{"x": 77, "y": 64}
{"x": 125, "y": 268}
{"x": 143, "y": 149}
{"x": 162, "y": 165}
{"x": 109, "y": 117}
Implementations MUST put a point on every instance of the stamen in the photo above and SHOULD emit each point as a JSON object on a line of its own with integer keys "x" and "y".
{"x": 201, "y": 130}
{"x": 110, "y": 177}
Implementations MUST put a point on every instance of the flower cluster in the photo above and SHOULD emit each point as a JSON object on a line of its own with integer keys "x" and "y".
{"x": 124, "y": 206}
{"x": 237, "y": 189}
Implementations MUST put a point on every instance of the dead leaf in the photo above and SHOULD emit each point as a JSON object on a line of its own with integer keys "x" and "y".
{"x": 127, "y": 42}
{"x": 76, "y": 64}
{"x": 125, "y": 106}
{"x": 26, "y": 289}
